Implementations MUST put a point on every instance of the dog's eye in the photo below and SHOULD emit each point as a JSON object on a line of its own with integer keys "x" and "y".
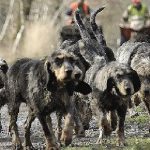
{"x": 58, "y": 61}
{"x": 77, "y": 63}
{"x": 148, "y": 80}
{"x": 118, "y": 76}
{"x": 71, "y": 60}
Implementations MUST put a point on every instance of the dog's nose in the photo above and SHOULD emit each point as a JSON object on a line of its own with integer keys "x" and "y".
{"x": 128, "y": 91}
{"x": 69, "y": 72}
{"x": 77, "y": 76}
{"x": 146, "y": 92}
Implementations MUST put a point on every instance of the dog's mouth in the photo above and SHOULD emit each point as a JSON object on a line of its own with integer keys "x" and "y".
{"x": 128, "y": 91}
{"x": 77, "y": 76}
{"x": 68, "y": 76}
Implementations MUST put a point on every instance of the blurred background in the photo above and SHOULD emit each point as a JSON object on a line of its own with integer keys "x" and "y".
{"x": 30, "y": 28}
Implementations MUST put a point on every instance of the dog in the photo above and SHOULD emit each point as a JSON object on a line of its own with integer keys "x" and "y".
{"x": 136, "y": 53}
{"x": 45, "y": 86}
{"x": 112, "y": 83}
{"x": 3, "y": 81}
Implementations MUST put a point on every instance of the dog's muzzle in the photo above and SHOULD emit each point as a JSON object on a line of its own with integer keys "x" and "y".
{"x": 68, "y": 70}
{"x": 77, "y": 76}
{"x": 128, "y": 91}
{"x": 68, "y": 74}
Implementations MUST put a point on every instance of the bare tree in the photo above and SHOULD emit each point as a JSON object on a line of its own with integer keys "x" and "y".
{"x": 22, "y": 26}
{"x": 5, "y": 26}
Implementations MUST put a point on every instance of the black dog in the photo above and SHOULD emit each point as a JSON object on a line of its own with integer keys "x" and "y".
{"x": 46, "y": 86}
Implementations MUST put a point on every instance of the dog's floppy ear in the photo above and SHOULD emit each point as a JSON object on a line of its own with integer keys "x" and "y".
{"x": 70, "y": 86}
{"x": 80, "y": 87}
{"x": 110, "y": 84}
{"x": 104, "y": 82}
{"x": 83, "y": 88}
{"x": 136, "y": 80}
{"x": 3, "y": 66}
{"x": 51, "y": 79}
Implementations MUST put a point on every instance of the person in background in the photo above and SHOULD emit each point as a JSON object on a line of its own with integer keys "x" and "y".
{"x": 137, "y": 8}
{"x": 82, "y": 6}
{"x": 135, "y": 16}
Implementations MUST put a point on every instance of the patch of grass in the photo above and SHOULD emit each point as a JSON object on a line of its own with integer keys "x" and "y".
{"x": 141, "y": 119}
{"x": 140, "y": 109}
{"x": 94, "y": 147}
{"x": 138, "y": 144}
{"x": 76, "y": 148}
{"x": 134, "y": 143}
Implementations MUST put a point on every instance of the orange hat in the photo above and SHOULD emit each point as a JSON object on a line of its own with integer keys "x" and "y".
{"x": 136, "y": 1}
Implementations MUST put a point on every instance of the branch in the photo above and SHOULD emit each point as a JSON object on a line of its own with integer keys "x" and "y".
{"x": 54, "y": 19}
{"x": 5, "y": 26}
{"x": 19, "y": 34}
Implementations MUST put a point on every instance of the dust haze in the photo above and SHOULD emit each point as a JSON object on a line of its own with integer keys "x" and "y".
{"x": 39, "y": 39}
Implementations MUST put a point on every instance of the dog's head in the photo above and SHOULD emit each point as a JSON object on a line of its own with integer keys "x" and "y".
{"x": 125, "y": 80}
{"x": 62, "y": 64}
{"x": 142, "y": 66}
{"x": 145, "y": 87}
{"x": 81, "y": 65}
{"x": 62, "y": 70}
{"x": 3, "y": 71}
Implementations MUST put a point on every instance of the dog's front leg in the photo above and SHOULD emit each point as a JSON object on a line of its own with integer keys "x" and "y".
{"x": 59, "y": 116}
{"x": 0, "y": 122}
{"x": 49, "y": 123}
{"x": 121, "y": 111}
{"x": 113, "y": 120}
{"x": 79, "y": 130}
{"x": 67, "y": 131}
{"x": 50, "y": 141}
{"x": 133, "y": 102}
{"x": 13, "y": 127}
{"x": 98, "y": 115}
{"x": 28, "y": 122}
{"x": 104, "y": 126}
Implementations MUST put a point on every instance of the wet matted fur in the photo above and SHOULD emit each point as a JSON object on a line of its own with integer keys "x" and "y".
{"x": 137, "y": 54}
{"x": 3, "y": 81}
{"x": 46, "y": 86}
{"x": 3, "y": 71}
{"x": 86, "y": 51}
{"x": 112, "y": 83}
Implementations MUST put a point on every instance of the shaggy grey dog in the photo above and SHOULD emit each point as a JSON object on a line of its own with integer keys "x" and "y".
{"x": 3, "y": 71}
{"x": 86, "y": 57}
{"x": 112, "y": 83}
{"x": 137, "y": 54}
{"x": 3, "y": 81}
{"x": 83, "y": 65}
{"x": 46, "y": 86}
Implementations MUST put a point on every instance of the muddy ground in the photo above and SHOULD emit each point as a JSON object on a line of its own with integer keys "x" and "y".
{"x": 135, "y": 130}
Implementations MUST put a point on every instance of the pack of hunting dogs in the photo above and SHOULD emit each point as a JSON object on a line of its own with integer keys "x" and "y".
{"x": 77, "y": 81}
